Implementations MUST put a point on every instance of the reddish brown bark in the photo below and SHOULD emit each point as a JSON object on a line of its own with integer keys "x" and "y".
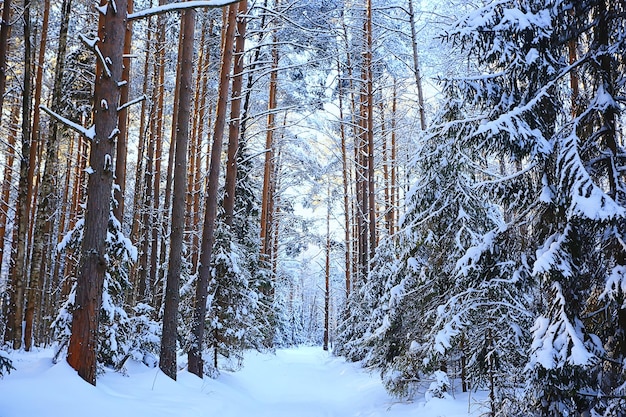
{"x": 195, "y": 361}
{"x": 120, "y": 152}
{"x": 47, "y": 202}
{"x": 167, "y": 361}
{"x": 5, "y": 32}
{"x": 235, "y": 116}
{"x": 266, "y": 212}
{"x": 83, "y": 342}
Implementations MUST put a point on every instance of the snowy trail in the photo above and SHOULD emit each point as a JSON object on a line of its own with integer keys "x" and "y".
{"x": 302, "y": 382}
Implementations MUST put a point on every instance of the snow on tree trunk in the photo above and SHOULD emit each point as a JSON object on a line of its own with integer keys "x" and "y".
{"x": 109, "y": 47}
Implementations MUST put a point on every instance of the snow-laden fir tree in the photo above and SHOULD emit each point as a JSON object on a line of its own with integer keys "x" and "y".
{"x": 233, "y": 304}
{"x": 547, "y": 98}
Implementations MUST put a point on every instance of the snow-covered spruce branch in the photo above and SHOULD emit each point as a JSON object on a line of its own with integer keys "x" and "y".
{"x": 181, "y": 6}
{"x": 89, "y": 133}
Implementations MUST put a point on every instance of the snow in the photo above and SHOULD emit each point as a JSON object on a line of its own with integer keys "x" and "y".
{"x": 302, "y": 382}
{"x": 171, "y": 7}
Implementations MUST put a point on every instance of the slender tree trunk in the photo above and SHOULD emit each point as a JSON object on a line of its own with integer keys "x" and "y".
{"x": 5, "y": 32}
{"x": 195, "y": 362}
{"x": 121, "y": 152}
{"x": 140, "y": 170}
{"x": 416, "y": 67}
{"x": 7, "y": 179}
{"x": 47, "y": 204}
{"x": 84, "y": 340}
{"x": 235, "y": 116}
{"x": 370, "y": 133}
{"x": 327, "y": 275}
{"x": 167, "y": 361}
{"x": 156, "y": 216}
{"x": 169, "y": 180}
{"x": 346, "y": 182}
{"x": 54, "y": 138}
{"x": 269, "y": 155}
{"x": 14, "y": 325}
{"x": 393, "y": 174}
{"x": 194, "y": 171}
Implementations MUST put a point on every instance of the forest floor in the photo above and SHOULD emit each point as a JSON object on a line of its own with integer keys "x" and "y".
{"x": 299, "y": 382}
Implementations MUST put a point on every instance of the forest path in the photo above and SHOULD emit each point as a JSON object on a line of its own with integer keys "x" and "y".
{"x": 305, "y": 382}
{"x": 298, "y": 382}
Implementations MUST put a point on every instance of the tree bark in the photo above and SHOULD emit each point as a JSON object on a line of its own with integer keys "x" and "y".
{"x": 416, "y": 67}
{"x": 195, "y": 362}
{"x": 46, "y": 211}
{"x": 266, "y": 214}
{"x": 18, "y": 273}
{"x": 83, "y": 342}
{"x": 7, "y": 179}
{"x": 120, "y": 154}
{"x": 167, "y": 361}
{"x": 370, "y": 132}
{"x": 327, "y": 274}
{"x": 346, "y": 181}
{"x": 235, "y": 116}
{"x": 5, "y": 32}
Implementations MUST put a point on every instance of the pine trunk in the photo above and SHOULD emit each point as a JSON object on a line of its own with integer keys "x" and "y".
{"x": 19, "y": 271}
{"x": 195, "y": 362}
{"x": 167, "y": 361}
{"x": 120, "y": 157}
{"x": 5, "y": 32}
{"x": 47, "y": 205}
{"x": 235, "y": 116}
{"x": 83, "y": 342}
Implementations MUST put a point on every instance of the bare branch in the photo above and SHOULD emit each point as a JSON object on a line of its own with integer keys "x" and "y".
{"x": 89, "y": 133}
{"x": 181, "y": 6}
{"x": 130, "y": 103}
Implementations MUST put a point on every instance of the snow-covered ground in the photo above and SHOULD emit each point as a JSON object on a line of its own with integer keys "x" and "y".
{"x": 300, "y": 382}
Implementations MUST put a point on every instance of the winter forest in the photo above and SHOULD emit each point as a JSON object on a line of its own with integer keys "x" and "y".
{"x": 433, "y": 190}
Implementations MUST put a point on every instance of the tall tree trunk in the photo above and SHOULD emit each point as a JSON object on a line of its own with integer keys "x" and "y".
{"x": 45, "y": 218}
{"x": 346, "y": 187}
{"x": 120, "y": 152}
{"x": 195, "y": 362}
{"x": 370, "y": 132}
{"x": 7, "y": 179}
{"x": 416, "y": 67}
{"x": 83, "y": 342}
{"x": 169, "y": 180}
{"x": 327, "y": 273}
{"x": 5, "y": 32}
{"x": 53, "y": 138}
{"x": 140, "y": 170}
{"x": 235, "y": 116}
{"x": 158, "y": 154}
{"x": 14, "y": 325}
{"x": 167, "y": 361}
{"x": 392, "y": 185}
{"x": 266, "y": 215}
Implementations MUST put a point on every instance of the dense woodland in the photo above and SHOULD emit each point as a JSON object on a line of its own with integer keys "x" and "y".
{"x": 436, "y": 191}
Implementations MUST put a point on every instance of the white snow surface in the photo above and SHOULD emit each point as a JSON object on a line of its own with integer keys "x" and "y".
{"x": 298, "y": 382}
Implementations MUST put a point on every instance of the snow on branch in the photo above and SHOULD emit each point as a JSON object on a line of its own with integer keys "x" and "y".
{"x": 93, "y": 45}
{"x": 89, "y": 133}
{"x": 130, "y": 103}
{"x": 180, "y": 6}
